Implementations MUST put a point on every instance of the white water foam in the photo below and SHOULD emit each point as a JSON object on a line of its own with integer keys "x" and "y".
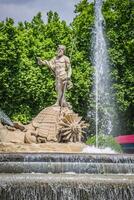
{"x": 93, "y": 149}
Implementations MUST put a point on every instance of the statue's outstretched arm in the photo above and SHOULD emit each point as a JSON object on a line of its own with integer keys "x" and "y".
{"x": 41, "y": 62}
{"x": 50, "y": 63}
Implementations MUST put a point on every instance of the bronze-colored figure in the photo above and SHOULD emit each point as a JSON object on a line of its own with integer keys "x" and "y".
{"x": 61, "y": 67}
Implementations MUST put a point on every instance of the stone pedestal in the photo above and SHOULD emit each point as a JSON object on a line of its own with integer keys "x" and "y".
{"x": 54, "y": 129}
{"x": 46, "y": 147}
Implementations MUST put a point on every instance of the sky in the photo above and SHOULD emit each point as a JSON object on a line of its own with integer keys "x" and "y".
{"x": 24, "y": 10}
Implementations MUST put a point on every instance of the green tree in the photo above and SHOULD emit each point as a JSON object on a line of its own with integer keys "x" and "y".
{"x": 26, "y": 88}
{"x": 119, "y": 16}
{"x": 81, "y": 56}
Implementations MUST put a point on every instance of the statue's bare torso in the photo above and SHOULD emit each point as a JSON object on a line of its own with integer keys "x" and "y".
{"x": 61, "y": 67}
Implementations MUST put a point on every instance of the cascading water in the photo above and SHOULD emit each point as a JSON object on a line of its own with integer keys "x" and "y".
{"x": 57, "y": 176}
{"x": 103, "y": 96}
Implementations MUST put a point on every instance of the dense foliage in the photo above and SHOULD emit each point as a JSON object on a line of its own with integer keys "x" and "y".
{"x": 119, "y": 16}
{"x": 26, "y": 88}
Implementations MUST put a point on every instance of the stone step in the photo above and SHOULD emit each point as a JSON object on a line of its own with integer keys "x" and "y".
{"x": 67, "y": 157}
{"x": 66, "y": 167}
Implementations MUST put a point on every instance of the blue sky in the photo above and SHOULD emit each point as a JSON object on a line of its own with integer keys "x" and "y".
{"x": 21, "y": 10}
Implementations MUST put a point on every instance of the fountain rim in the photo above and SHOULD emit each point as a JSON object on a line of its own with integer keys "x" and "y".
{"x": 69, "y": 153}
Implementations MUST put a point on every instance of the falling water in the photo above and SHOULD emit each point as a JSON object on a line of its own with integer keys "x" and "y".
{"x": 59, "y": 176}
{"x": 103, "y": 99}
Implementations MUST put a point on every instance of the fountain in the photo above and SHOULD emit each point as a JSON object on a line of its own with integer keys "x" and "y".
{"x": 44, "y": 160}
{"x": 104, "y": 108}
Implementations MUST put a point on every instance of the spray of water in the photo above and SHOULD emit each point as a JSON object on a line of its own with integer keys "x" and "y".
{"x": 103, "y": 99}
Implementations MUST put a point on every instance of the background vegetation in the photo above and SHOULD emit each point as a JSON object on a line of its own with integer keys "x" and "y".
{"x": 119, "y": 16}
{"x": 25, "y": 88}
